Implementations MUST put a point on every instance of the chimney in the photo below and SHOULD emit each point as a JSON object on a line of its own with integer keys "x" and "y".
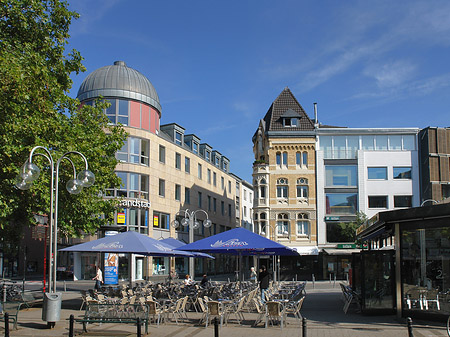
{"x": 316, "y": 122}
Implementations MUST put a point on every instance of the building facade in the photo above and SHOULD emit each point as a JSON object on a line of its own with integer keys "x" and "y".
{"x": 365, "y": 171}
{"x": 164, "y": 171}
{"x": 284, "y": 182}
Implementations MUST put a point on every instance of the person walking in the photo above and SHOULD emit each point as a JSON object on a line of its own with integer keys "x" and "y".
{"x": 263, "y": 282}
{"x": 253, "y": 274}
{"x": 98, "y": 279}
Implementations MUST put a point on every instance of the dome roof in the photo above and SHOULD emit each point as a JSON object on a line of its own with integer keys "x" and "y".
{"x": 120, "y": 81}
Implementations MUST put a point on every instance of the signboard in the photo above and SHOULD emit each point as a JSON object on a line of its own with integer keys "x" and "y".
{"x": 155, "y": 221}
{"x": 111, "y": 268}
{"x": 120, "y": 218}
{"x": 332, "y": 218}
{"x": 346, "y": 246}
{"x": 134, "y": 203}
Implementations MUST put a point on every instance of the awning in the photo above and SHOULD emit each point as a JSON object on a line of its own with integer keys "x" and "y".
{"x": 334, "y": 251}
{"x": 306, "y": 250}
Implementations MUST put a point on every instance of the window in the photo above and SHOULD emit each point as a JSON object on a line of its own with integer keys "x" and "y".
{"x": 377, "y": 173}
{"x": 187, "y": 165}
{"x": 123, "y": 112}
{"x": 298, "y": 160}
{"x": 177, "y": 192}
{"x": 222, "y": 182}
{"x": 195, "y": 147}
{"x": 200, "y": 171}
{"x": 209, "y": 203}
{"x": 281, "y": 158}
{"x": 302, "y": 188}
{"x": 409, "y": 143}
{"x": 395, "y": 143}
{"x": 162, "y": 187}
{"x": 229, "y": 210}
{"x": 262, "y": 188}
{"x": 303, "y": 225}
{"x": 222, "y": 208}
{"x": 379, "y": 201}
{"x": 111, "y": 110}
{"x": 282, "y": 188}
{"x": 290, "y": 122}
{"x": 134, "y": 150}
{"x": 217, "y": 161}
{"x": 162, "y": 154}
{"x": 225, "y": 166}
{"x": 209, "y": 176}
{"x": 178, "y": 161}
{"x": 305, "y": 159}
{"x": 214, "y": 178}
{"x": 341, "y": 203}
{"x": 133, "y": 185}
{"x": 208, "y": 155}
{"x": 402, "y": 201}
{"x": 282, "y": 225}
{"x": 245, "y": 210}
{"x": 200, "y": 199}
{"x": 161, "y": 220}
{"x": 367, "y": 142}
{"x": 229, "y": 186}
{"x": 340, "y": 175}
{"x": 187, "y": 195}
{"x": 402, "y": 172}
{"x": 214, "y": 204}
{"x": 245, "y": 195}
{"x": 381, "y": 143}
{"x": 178, "y": 138}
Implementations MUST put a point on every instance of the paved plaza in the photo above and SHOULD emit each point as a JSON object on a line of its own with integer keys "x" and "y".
{"x": 322, "y": 308}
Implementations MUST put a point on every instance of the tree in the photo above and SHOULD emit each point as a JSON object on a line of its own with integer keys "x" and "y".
{"x": 35, "y": 109}
{"x": 348, "y": 229}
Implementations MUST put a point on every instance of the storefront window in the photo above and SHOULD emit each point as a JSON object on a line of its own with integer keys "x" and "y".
{"x": 341, "y": 203}
{"x": 426, "y": 269}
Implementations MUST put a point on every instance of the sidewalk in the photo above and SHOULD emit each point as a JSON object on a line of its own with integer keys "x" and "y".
{"x": 322, "y": 309}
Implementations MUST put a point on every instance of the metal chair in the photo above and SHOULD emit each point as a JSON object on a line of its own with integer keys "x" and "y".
{"x": 275, "y": 313}
{"x": 214, "y": 309}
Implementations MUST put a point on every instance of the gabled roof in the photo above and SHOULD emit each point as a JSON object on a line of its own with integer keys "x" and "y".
{"x": 287, "y": 106}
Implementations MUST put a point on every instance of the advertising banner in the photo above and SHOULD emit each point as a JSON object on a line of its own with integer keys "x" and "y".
{"x": 111, "y": 268}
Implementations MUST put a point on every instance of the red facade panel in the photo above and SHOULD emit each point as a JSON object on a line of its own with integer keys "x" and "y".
{"x": 153, "y": 114}
{"x": 135, "y": 114}
{"x": 145, "y": 113}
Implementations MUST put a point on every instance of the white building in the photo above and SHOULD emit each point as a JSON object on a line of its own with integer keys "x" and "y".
{"x": 361, "y": 170}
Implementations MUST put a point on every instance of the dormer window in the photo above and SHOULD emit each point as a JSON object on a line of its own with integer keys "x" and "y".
{"x": 290, "y": 122}
{"x": 195, "y": 147}
{"x": 178, "y": 137}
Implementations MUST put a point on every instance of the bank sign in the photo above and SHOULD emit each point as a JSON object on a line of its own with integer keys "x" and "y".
{"x": 134, "y": 203}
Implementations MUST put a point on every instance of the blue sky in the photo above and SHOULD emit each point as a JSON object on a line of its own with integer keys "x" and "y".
{"x": 218, "y": 65}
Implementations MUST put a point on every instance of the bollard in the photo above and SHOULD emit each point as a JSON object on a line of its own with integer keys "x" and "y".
{"x": 313, "y": 281}
{"x": 330, "y": 278}
{"x": 334, "y": 280}
{"x": 6, "y": 324}
{"x": 304, "y": 333}
{"x": 71, "y": 321}
{"x": 410, "y": 328}
{"x": 65, "y": 289}
{"x": 216, "y": 327}
{"x": 138, "y": 323}
{"x": 4, "y": 292}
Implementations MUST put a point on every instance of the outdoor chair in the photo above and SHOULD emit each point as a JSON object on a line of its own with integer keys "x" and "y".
{"x": 236, "y": 309}
{"x": 176, "y": 309}
{"x": 214, "y": 310}
{"x": 259, "y": 310}
{"x": 294, "y": 308}
{"x": 275, "y": 313}
{"x": 155, "y": 311}
{"x": 202, "y": 308}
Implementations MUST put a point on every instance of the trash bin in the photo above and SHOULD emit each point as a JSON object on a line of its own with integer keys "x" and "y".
{"x": 51, "y": 308}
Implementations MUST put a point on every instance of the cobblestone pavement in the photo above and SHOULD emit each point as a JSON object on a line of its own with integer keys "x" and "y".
{"x": 322, "y": 308}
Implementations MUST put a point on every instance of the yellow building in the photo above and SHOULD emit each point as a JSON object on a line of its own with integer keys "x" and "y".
{"x": 284, "y": 182}
{"x": 164, "y": 171}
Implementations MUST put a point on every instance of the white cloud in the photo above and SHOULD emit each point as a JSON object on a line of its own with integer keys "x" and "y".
{"x": 391, "y": 74}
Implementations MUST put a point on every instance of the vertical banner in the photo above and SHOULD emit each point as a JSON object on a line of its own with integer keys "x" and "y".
{"x": 111, "y": 268}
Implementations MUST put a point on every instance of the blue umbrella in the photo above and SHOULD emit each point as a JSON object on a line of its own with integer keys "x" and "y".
{"x": 176, "y": 244}
{"x": 239, "y": 241}
{"x": 128, "y": 242}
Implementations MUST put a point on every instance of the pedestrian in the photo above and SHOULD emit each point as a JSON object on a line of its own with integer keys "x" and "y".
{"x": 98, "y": 279}
{"x": 204, "y": 281}
{"x": 253, "y": 274}
{"x": 263, "y": 282}
{"x": 187, "y": 280}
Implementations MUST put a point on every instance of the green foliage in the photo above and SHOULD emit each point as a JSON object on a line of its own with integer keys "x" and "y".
{"x": 36, "y": 110}
{"x": 348, "y": 229}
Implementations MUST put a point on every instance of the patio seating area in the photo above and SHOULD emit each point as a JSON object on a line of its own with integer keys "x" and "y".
{"x": 177, "y": 303}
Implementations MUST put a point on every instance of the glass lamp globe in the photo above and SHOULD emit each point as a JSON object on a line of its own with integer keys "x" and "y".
{"x": 207, "y": 223}
{"x": 86, "y": 177}
{"x": 30, "y": 172}
{"x": 263, "y": 233}
{"x": 21, "y": 183}
{"x": 175, "y": 224}
{"x": 196, "y": 224}
{"x": 74, "y": 186}
{"x": 185, "y": 222}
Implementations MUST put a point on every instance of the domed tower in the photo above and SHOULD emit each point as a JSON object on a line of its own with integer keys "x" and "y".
{"x": 134, "y": 101}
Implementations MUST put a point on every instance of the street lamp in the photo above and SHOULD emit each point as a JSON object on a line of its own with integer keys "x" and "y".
{"x": 30, "y": 172}
{"x": 190, "y": 219}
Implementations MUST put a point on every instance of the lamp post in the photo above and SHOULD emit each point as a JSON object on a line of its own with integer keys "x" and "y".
{"x": 190, "y": 219}
{"x": 30, "y": 172}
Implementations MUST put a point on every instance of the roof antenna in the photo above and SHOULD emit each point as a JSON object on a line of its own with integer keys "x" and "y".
{"x": 316, "y": 122}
